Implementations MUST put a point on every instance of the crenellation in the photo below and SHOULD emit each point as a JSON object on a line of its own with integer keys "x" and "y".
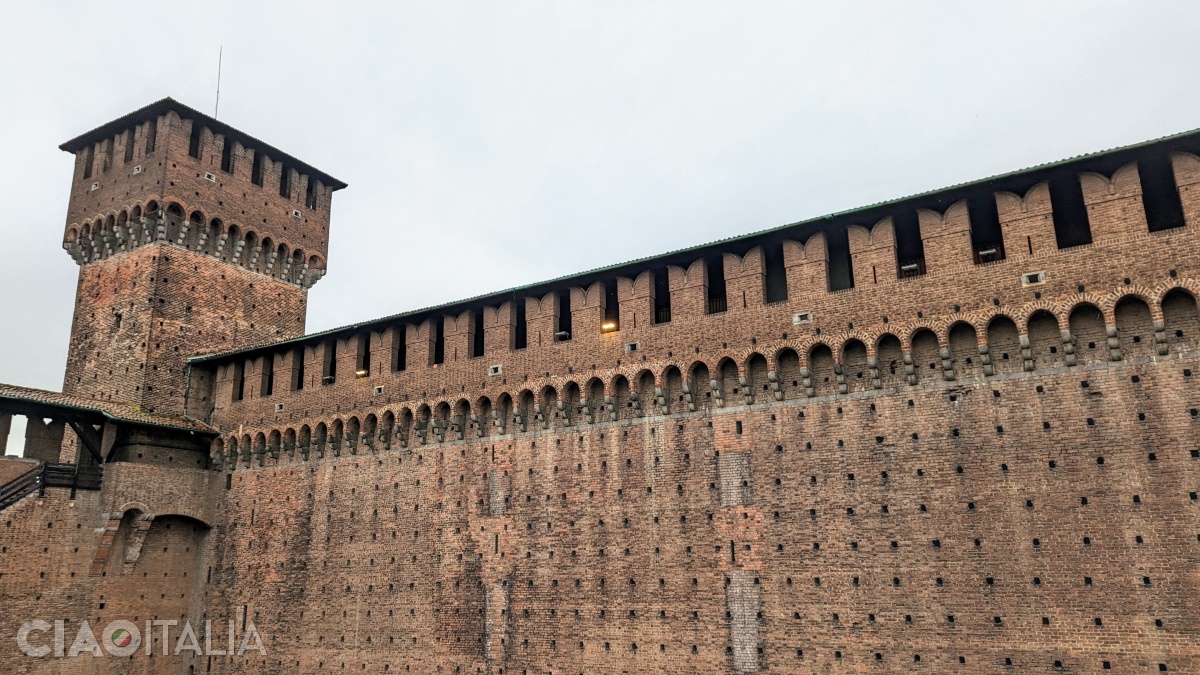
{"x": 1114, "y": 202}
{"x": 873, "y": 252}
{"x": 776, "y": 453}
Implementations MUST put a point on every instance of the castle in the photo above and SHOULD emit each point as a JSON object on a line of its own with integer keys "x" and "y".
{"x": 953, "y": 432}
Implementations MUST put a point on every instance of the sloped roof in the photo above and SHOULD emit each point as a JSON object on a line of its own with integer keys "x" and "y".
{"x": 1021, "y": 179}
{"x": 163, "y": 106}
{"x": 115, "y": 410}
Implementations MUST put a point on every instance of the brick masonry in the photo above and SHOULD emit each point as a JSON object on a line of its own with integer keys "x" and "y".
{"x": 971, "y": 470}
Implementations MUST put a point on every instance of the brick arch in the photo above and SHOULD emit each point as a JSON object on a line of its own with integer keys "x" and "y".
{"x": 773, "y": 351}
{"x": 1186, "y": 284}
{"x": 945, "y": 323}
{"x": 586, "y": 390}
{"x": 884, "y": 334}
{"x": 738, "y": 356}
{"x": 566, "y": 387}
{"x": 134, "y": 505}
{"x": 810, "y": 345}
{"x": 663, "y": 366}
{"x": 610, "y": 375}
{"x": 861, "y": 334}
{"x": 635, "y": 382}
{"x": 907, "y": 330}
{"x": 435, "y": 401}
{"x": 1011, "y": 316}
{"x": 988, "y": 314}
{"x": 847, "y": 338}
{"x": 540, "y": 398}
{"x": 1029, "y": 309}
{"x": 1068, "y": 304}
{"x": 169, "y": 508}
{"x": 1143, "y": 293}
{"x": 167, "y": 199}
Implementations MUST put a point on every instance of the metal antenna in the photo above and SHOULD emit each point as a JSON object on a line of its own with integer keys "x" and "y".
{"x": 217, "y": 106}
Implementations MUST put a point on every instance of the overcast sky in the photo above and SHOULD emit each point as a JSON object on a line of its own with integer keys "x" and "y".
{"x": 493, "y": 144}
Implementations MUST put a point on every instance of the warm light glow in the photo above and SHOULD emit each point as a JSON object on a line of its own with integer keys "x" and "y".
{"x": 360, "y": 373}
{"x": 608, "y": 325}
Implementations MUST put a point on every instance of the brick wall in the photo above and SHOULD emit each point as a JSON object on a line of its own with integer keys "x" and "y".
{"x": 965, "y": 471}
{"x": 64, "y": 559}
{"x": 971, "y": 470}
{"x": 172, "y": 303}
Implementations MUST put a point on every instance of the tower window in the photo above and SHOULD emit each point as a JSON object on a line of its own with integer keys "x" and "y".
{"x": 227, "y": 155}
{"x": 329, "y": 363}
{"x": 285, "y": 181}
{"x": 194, "y": 141}
{"x": 89, "y": 158}
{"x": 439, "y": 340}
{"x": 840, "y": 268}
{"x": 239, "y": 380}
{"x": 714, "y": 270}
{"x": 520, "y": 336}
{"x": 298, "y": 369}
{"x": 256, "y": 169}
{"x": 662, "y": 295}
{"x": 987, "y": 239}
{"x": 363, "y": 360}
{"x": 1071, "y": 227}
{"x": 151, "y": 135}
{"x": 477, "y": 332}
{"x": 268, "y": 375}
{"x": 774, "y": 274}
{"x": 108, "y": 155}
{"x": 612, "y": 306}
{"x": 310, "y": 194}
{"x": 129, "y": 145}
{"x": 399, "y": 348}
{"x": 1160, "y": 195}
{"x": 563, "y": 301}
{"x": 910, "y": 250}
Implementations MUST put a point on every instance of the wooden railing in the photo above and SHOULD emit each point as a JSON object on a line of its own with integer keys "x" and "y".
{"x": 46, "y": 475}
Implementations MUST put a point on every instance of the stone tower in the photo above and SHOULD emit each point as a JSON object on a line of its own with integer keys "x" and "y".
{"x": 192, "y": 237}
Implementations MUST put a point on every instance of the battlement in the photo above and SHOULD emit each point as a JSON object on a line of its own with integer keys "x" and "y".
{"x": 191, "y": 236}
{"x": 170, "y": 173}
{"x": 1042, "y": 240}
{"x": 957, "y": 430}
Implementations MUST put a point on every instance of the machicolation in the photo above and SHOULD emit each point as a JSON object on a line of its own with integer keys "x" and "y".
{"x": 955, "y": 432}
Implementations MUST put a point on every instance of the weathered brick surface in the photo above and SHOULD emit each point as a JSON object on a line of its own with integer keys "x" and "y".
{"x": 172, "y": 302}
{"x": 62, "y": 559}
{"x": 11, "y": 467}
{"x": 966, "y": 471}
{"x": 243, "y": 258}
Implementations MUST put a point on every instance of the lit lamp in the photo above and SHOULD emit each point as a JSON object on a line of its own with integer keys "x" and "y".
{"x": 360, "y": 373}
{"x": 608, "y": 326}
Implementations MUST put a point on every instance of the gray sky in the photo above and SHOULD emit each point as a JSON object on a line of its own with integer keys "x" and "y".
{"x": 492, "y": 144}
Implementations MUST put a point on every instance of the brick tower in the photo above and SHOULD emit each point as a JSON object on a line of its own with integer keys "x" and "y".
{"x": 192, "y": 237}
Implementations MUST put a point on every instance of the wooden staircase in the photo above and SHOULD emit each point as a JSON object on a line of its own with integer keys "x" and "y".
{"x": 47, "y": 474}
